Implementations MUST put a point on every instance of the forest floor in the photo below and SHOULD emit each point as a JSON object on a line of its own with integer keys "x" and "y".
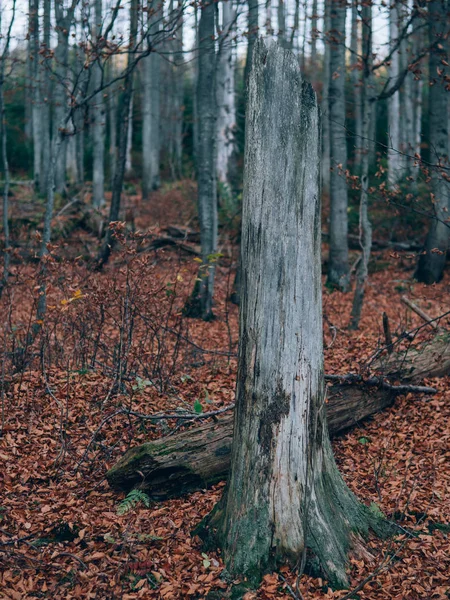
{"x": 117, "y": 339}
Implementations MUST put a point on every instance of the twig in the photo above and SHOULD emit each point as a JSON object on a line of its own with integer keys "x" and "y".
{"x": 387, "y": 333}
{"x": 422, "y": 314}
{"x": 353, "y": 378}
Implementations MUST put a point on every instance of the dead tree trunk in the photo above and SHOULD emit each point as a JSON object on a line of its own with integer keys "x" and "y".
{"x": 285, "y": 493}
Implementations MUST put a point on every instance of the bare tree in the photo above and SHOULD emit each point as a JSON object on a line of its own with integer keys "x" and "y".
{"x": 226, "y": 108}
{"x": 394, "y": 157}
{"x": 151, "y": 74}
{"x": 285, "y": 494}
{"x": 431, "y": 263}
{"x": 338, "y": 267}
{"x": 199, "y": 304}
{"x": 98, "y": 113}
{"x": 4, "y": 148}
{"x": 365, "y": 228}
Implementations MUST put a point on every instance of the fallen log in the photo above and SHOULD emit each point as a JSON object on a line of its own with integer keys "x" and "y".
{"x": 199, "y": 457}
{"x": 412, "y": 365}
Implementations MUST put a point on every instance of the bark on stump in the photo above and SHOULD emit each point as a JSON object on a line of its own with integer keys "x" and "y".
{"x": 284, "y": 494}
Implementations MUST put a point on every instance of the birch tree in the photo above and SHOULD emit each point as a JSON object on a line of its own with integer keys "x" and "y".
{"x": 151, "y": 73}
{"x": 226, "y": 108}
{"x": 98, "y": 113}
{"x": 338, "y": 267}
{"x": 394, "y": 157}
{"x": 284, "y": 494}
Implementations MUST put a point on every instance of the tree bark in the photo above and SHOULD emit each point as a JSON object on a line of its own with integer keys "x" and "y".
{"x": 36, "y": 90}
{"x": 226, "y": 108}
{"x": 119, "y": 167}
{"x": 338, "y": 266}
{"x": 151, "y": 74}
{"x": 129, "y": 150}
{"x": 356, "y": 83}
{"x": 394, "y": 157}
{"x": 326, "y": 173}
{"x": 252, "y": 35}
{"x": 365, "y": 227}
{"x": 60, "y": 90}
{"x": 314, "y": 17}
{"x": 284, "y": 493}
{"x": 432, "y": 262}
{"x": 46, "y": 101}
{"x": 99, "y": 116}
{"x": 199, "y": 304}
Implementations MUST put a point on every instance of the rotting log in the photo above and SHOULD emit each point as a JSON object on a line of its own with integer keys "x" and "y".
{"x": 200, "y": 457}
{"x": 413, "y": 364}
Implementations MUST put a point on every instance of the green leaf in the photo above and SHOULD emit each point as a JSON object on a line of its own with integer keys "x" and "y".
{"x": 198, "y": 408}
{"x": 363, "y": 440}
{"x": 132, "y": 500}
{"x": 206, "y": 561}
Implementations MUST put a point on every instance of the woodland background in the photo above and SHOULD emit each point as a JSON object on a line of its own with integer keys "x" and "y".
{"x": 123, "y": 134}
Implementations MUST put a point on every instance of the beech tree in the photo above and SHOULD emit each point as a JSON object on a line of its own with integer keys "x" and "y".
{"x": 285, "y": 493}
{"x": 338, "y": 267}
{"x": 431, "y": 264}
{"x": 199, "y": 304}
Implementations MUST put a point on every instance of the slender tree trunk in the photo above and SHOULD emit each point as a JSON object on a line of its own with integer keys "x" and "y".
{"x": 284, "y": 493}
{"x": 46, "y": 100}
{"x": 269, "y": 28}
{"x": 356, "y": 83}
{"x": 252, "y": 36}
{"x": 71, "y": 161}
{"x": 304, "y": 34}
{"x": 365, "y": 228}
{"x": 36, "y": 91}
{"x": 394, "y": 157}
{"x": 417, "y": 109}
{"x": 151, "y": 149}
{"x": 98, "y": 116}
{"x": 112, "y": 114}
{"x": 314, "y": 18}
{"x": 119, "y": 167}
{"x": 60, "y": 92}
{"x": 129, "y": 151}
{"x": 199, "y": 304}
{"x": 281, "y": 20}
{"x": 432, "y": 262}
{"x": 4, "y": 149}
{"x": 226, "y": 109}
{"x": 338, "y": 267}
{"x": 325, "y": 103}
{"x": 194, "y": 87}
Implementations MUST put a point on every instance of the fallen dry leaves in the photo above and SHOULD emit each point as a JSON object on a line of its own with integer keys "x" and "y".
{"x": 60, "y": 534}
